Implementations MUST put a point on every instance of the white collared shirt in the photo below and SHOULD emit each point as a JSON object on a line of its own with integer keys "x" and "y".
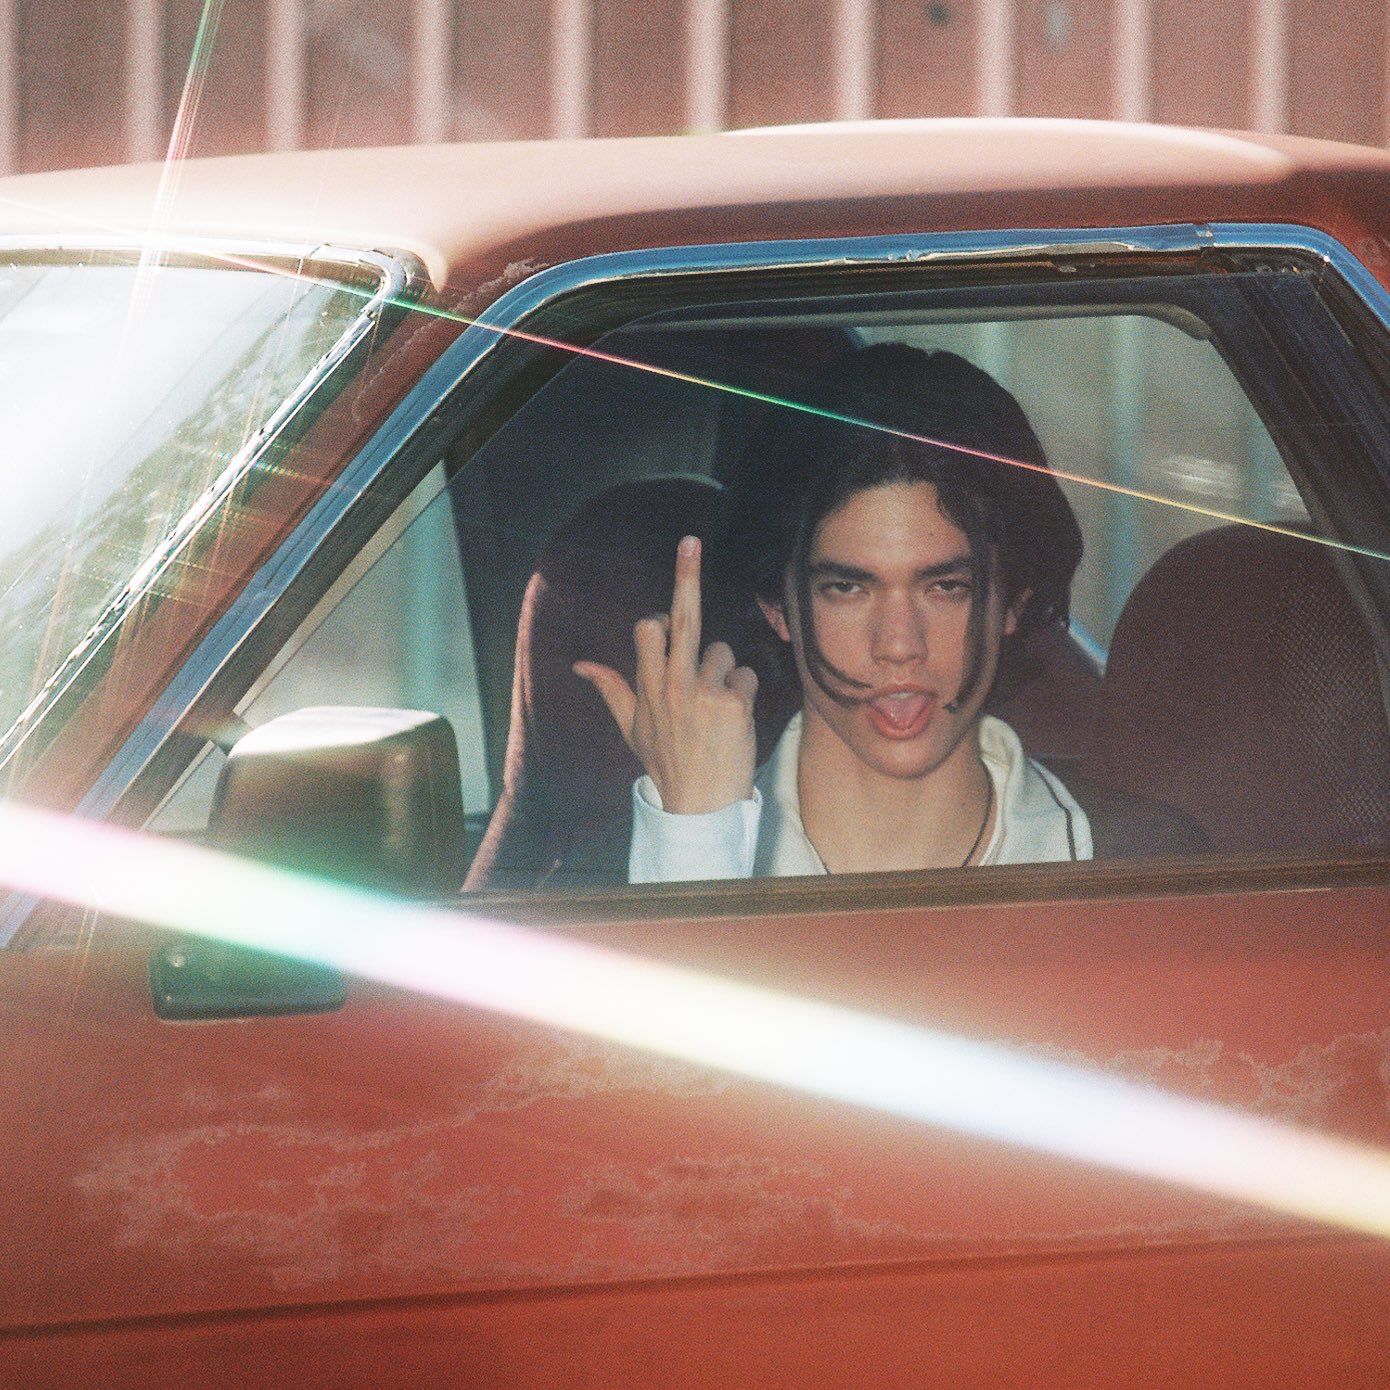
{"x": 762, "y": 837}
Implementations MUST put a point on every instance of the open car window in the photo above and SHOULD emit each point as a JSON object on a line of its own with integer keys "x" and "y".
{"x": 1216, "y": 437}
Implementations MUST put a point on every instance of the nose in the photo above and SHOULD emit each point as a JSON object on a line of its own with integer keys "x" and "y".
{"x": 899, "y": 635}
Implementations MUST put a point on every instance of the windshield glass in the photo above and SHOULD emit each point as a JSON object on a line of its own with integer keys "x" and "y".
{"x": 125, "y": 393}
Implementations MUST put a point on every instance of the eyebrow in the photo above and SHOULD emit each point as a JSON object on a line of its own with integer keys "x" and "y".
{"x": 833, "y": 569}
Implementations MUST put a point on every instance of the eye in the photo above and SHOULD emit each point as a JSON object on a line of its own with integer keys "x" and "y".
{"x": 953, "y": 588}
{"x": 838, "y": 588}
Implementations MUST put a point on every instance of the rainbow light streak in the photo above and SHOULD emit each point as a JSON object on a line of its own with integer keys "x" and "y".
{"x": 918, "y": 1073}
{"x": 787, "y": 403}
{"x": 159, "y": 241}
{"x": 181, "y": 134}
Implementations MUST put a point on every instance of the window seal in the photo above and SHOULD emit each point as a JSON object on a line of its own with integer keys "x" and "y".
{"x": 1108, "y": 881}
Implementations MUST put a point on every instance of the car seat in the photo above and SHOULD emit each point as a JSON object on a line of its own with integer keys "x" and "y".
{"x": 1242, "y": 688}
{"x": 1047, "y": 691}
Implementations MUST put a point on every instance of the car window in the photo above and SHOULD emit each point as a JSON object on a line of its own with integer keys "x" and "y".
{"x": 1216, "y": 691}
{"x": 130, "y": 392}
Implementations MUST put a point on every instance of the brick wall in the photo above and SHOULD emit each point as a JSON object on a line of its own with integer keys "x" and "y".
{"x": 90, "y": 82}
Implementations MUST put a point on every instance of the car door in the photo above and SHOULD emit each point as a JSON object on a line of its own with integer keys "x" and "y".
{"x": 414, "y": 1182}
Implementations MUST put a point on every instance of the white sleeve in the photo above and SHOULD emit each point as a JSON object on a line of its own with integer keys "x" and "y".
{"x": 671, "y": 848}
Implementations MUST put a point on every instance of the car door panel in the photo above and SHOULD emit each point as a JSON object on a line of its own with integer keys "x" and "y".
{"x": 405, "y": 1147}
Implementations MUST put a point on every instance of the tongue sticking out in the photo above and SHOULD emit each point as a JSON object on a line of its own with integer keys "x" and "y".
{"x": 901, "y": 711}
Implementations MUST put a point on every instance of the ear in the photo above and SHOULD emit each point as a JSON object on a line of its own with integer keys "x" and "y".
{"x": 776, "y": 617}
{"x": 1015, "y": 611}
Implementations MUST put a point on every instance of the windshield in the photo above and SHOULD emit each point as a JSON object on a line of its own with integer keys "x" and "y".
{"x": 125, "y": 393}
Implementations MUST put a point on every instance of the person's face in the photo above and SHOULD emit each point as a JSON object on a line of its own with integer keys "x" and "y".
{"x": 889, "y": 578}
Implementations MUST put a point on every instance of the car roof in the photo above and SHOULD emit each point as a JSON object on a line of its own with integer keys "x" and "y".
{"x": 468, "y": 211}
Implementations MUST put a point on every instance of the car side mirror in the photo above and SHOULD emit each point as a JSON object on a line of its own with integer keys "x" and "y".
{"x": 369, "y": 797}
{"x": 366, "y": 796}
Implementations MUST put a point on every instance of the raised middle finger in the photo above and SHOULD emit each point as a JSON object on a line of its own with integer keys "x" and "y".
{"x": 685, "y": 610}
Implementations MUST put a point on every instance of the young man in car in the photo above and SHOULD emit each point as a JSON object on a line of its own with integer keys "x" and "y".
{"x": 897, "y": 533}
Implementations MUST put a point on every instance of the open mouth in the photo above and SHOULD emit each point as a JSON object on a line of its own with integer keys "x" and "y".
{"x": 901, "y": 714}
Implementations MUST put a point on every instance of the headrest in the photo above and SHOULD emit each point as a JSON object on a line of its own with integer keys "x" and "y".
{"x": 1048, "y": 695}
{"x": 1242, "y": 688}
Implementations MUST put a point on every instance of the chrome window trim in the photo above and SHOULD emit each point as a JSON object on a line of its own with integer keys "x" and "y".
{"x": 424, "y": 404}
{"x": 395, "y": 274}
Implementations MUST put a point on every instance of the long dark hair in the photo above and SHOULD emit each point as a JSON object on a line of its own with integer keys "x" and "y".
{"x": 995, "y": 485}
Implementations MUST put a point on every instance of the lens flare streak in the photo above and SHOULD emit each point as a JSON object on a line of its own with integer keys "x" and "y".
{"x": 914, "y": 1072}
{"x": 790, "y": 403}
{"x": 181, "y": 133}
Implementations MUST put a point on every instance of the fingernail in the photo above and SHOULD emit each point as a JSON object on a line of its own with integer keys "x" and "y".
{"x": 688, "y": 545}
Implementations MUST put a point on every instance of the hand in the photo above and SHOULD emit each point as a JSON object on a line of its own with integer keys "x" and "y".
{"x": 690, "y": 719}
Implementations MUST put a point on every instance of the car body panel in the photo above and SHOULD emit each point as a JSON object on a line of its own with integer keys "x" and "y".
{"x": 409, "y": 1149}
{"x": 1246, "y": 1314}
{"x": 469, "y": 211}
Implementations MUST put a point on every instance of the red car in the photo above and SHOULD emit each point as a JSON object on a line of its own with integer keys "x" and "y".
{"x": 323, "y": 469}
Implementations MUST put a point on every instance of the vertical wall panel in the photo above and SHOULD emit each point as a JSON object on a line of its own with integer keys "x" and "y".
{"x": 571, "y": 68}
{"x": 9, "y": 86}
{"x": 231, "y": 116}
{"x": 284, "y": 74}
{"x": 927, "y": 57}
{"x": 855, "y": 30}
{"x": 707, "y": 65}
{"x": 502, "y": 69}
{"x": 432, "y": 71}
{"x": 358, "y": 81}
{"x": 638, "y": 67}
{"x": 996, "y": 58}
{"x": 70, "y": 76}
{"x": 1131, "y": 98}
{"x": 1337, "y": 70}
{"x": 1269, "y": 65}
{"x": 1200, "y": 60}
{"x": 782, "y": 61}
{"x": 1064, "y": 58}
{"x": 145, "y": 124}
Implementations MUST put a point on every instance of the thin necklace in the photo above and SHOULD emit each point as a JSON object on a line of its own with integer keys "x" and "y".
{"x": 984, "y": 820}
